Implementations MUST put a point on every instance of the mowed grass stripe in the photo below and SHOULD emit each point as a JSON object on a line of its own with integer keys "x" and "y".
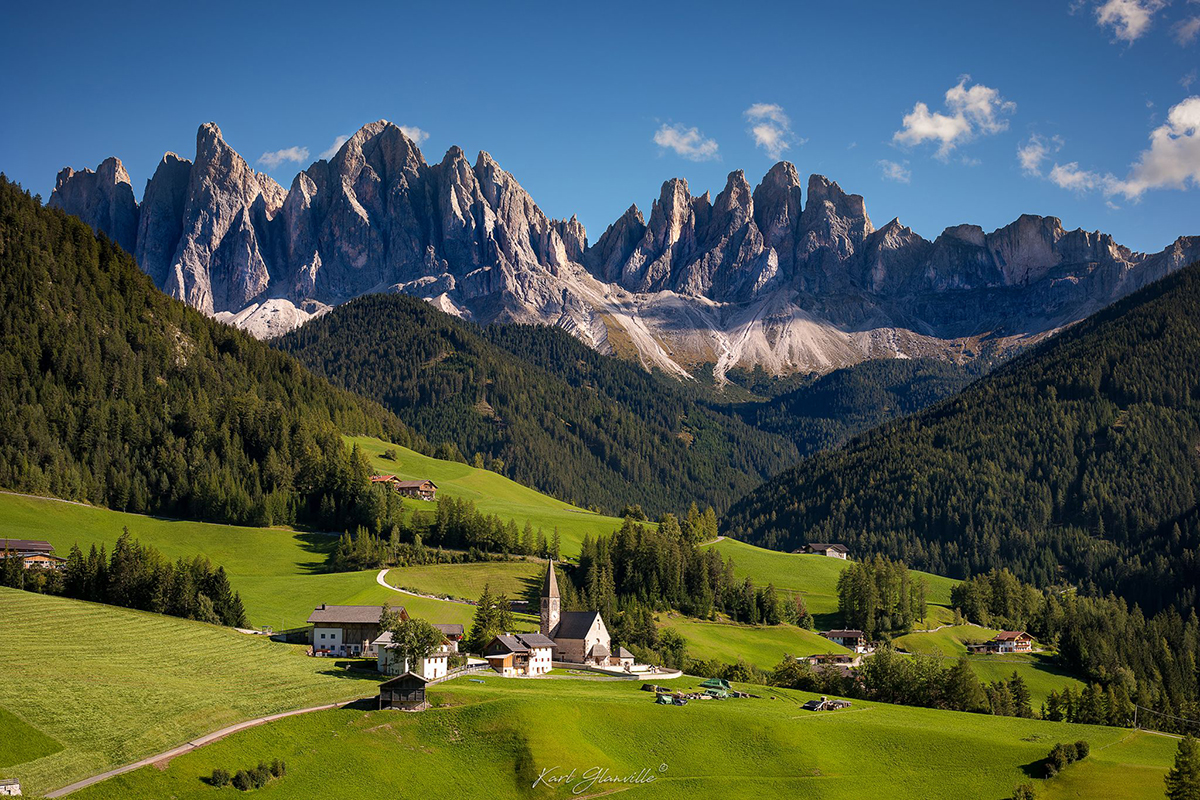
{"x": 114, "y": 685}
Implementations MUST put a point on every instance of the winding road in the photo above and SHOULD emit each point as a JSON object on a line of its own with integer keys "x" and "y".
{"x": 383, "y": 574}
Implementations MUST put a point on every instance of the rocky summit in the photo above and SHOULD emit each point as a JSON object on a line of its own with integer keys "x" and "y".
{"x": 779, "y": 275}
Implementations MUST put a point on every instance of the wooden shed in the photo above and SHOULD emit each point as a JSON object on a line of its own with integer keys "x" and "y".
{"x": 406, "y": 692}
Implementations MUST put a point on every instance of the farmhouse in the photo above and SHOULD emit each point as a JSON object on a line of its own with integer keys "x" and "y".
{"x": 10, "y": 787}
{"x": 824, "y": 549}
{"x": 1005, "y": 642}
{"x": 406, "y": 692}
{"x": 432, "y": 667}
{"x": 423, "y": 489}
{"x": 843, "y": 662}
{"x": 521, "y": 654}
{"x": 346, "y": 630}
{"x": 32, "y": 552}
{"x": 453, "y": 633}
{"x": 854, "y": 640}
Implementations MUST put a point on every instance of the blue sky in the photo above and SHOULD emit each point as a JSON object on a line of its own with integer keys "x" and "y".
{"x": 592, "y": 109}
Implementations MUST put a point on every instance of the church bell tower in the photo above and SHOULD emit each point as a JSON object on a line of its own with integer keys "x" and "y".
{"x": 550, "y": 601}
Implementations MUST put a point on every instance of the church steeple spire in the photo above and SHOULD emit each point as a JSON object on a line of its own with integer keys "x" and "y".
{"x": 551, "y": 602}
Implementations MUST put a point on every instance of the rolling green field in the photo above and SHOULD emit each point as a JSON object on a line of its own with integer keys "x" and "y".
{"x": 504, "y": 734}
{"x": 491, "y": 493}
{"x": 274, "y": 569}
{"x": 466, "y": 581}
{"x": 1037, "y": 670}
{"x": 112, "y": 685}
{"x": 811, "y": 576}
{"x": 762, "y": 646}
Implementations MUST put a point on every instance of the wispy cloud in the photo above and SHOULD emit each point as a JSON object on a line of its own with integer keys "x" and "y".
{"x": 969, "y": 111}
{"x": 1187, "y": 80}
{"x": 771, "y": 128}
{"x": 1071, "y": 176}
{"x": 275, "y": 158}
{"x": 1186, "y": 31}
{"x": 1035, "y": 151}
{"x": 688, "y": 143}
{"x": 331, "y": 151}
{"x": 895, "y": 172}
{"x": 414, "y": 133}
{"x": 1129, "y": 19}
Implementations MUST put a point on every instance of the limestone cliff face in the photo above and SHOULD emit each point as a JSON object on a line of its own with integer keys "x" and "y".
{"x": 781, "y": 275}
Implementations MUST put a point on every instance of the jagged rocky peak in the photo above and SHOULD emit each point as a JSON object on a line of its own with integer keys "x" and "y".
{"x": 102, "y": 198}
{"x": 574, "y": 237}
{"x": 616, "y": 245}
{"x": 777, "y": 210}
{"x": 1026, "y": 249}
{"x": 160, "y": 225}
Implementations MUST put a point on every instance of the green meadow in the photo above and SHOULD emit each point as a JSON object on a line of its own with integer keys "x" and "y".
{"x": 466, "y": 581}
{"x": 813, "y": 577}
{"x": 277, "y": 571}
{"x": 1038, "y": 670}
{"x": 762, "y": 646}
{"x": 495, "y": 738}
{"x": 87, "y": 687}
{"x": 491, "y": 493}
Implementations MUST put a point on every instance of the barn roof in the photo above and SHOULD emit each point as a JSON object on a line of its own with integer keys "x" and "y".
{"x": 1006, "y": 636}
{"x": 535, "y": 640}
{"x": 414, "y": 484}
{"x": 575, "y": 624}
{"x": 843, "y": 634}
{"x": 408, "y": 678}
{"x": 841, "y": 548}
{"x": 449, "y": 629}
{"x": 349, "y": 615}
{"x": 26, "y": 545}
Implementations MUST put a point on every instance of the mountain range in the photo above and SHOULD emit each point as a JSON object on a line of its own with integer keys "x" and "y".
{"x": 779, "y": 276}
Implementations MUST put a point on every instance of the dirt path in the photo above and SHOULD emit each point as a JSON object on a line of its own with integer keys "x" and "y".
{"x": 192, "y": 745}
{"x": 383, "y": 574}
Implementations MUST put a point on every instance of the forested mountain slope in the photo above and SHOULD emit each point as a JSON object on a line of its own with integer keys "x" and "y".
{"x": 563, "y": 418}
{"x": 1076, "y": 460}
{"x": 113, "y": 393}
{"x": 827, "y": 410}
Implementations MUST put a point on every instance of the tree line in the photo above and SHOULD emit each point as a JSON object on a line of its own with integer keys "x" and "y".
{"x": 137, "y": 576}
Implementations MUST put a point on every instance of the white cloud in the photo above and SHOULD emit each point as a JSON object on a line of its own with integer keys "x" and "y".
{"x": 1129, "y": 19}
{"x": 895, "y": 172}
{"x": 331, "y": 151}
{"x": 1187, "y": 80}
{"x": 414, "y": 133}
{"x": 976, "y": 110}
{"x": 1070, "y": 176}
{"x": 689, "y": 143}
{"x": 273, "y": 159}
{"x": 1173, "y": 159}
{"x": 771, "y": 128}
{"x": 1186, "y": 31}
{"x": 1031, "y": 154}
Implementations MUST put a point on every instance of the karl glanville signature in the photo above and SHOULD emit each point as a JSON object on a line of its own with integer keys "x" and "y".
{"x": 578, "y": 783}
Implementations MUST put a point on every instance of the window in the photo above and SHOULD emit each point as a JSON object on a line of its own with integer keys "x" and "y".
{"x": 322, "y": 636}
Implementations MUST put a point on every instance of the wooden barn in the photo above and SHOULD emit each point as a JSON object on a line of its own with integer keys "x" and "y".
{"x": 405, "y": 692}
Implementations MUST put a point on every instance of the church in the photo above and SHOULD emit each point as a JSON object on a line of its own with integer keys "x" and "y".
{"x": 580, "y": 637}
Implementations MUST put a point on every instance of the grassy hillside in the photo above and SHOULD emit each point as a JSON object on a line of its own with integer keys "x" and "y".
{"x": 466, "y": 581}
{"x": 813, "y": 577}
{"x": 1076, "y": 461}
{"x": 1037, "y": 670}
{"x": 111, "y": 685}
{"x": 762, "y": 646}
{"x": 275, "y": 570}
{"x": 491, "y": 493}
{"x": 503, "y": 734}
{"x": 565, "y": 419}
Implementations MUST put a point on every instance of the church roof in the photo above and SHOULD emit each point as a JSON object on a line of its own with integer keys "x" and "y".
{"x": 550, "y": 585}
{"x": 575, "y": 624}
{"x": 599, "y": 651}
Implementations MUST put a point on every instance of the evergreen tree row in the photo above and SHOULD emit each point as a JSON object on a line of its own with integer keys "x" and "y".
{"x": 137, "y": 576}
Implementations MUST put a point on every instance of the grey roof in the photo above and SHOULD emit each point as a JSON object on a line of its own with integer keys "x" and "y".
{"x": 348, "y": 615}
{"x": 843, "y": 634}
{"x": 414, "y": 484}
{"x": 574, "y": 624}
{"x": 512, "y": 643}
{"x": 623, "y": 653}
{"x": 550, "y": 585}
{"x": 408, "y": 676}
{"x": 448, "y": 629}
{"x": 599, "y": 651}
{"x": 26, "y": 545}
{"x": 828, "y": 546}
{"x": 535, "y": 640}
